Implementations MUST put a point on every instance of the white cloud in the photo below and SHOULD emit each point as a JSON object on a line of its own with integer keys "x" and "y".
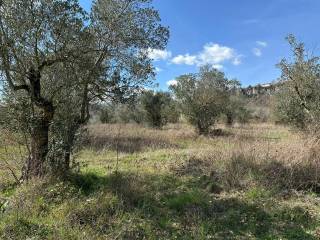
{"x": 212, "y": 54}
{"x": 172, "y": 82}
{"x": 158, "y": 69}
{"x": 158, "y": 54}
{"x": 257, "y": 52}
{"x": 185, "y": 59}
{"x": 262, "y": 43}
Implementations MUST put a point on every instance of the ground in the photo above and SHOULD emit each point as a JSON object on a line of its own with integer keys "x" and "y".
{"x": 257, "y": 181}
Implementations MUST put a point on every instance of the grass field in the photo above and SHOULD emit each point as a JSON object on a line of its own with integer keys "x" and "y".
{"x": 257, "y": 181}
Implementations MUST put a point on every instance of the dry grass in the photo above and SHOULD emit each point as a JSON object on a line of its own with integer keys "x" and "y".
{"x": 257, "y": 181}
{"x": 12, "y": 156}
{"x": 276, "y": 155}
{"x": 132, "y": 138}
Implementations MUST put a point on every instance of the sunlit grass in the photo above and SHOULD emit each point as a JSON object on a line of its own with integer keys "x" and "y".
{"x": 172, "y": 184}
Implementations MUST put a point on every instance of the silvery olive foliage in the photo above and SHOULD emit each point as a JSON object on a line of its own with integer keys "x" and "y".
{"x": 298, "y": 100}
{"x": 56, "y": 59}
{"x": 158, "y": 107}
{"x": 203, "y": 97}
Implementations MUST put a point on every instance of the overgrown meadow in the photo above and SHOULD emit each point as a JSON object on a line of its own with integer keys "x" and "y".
{"x": 257, "y": 181}
{"x": 92, "y": 148}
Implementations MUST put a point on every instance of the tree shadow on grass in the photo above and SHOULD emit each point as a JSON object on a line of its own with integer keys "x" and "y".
{"x": 171, "y": 208}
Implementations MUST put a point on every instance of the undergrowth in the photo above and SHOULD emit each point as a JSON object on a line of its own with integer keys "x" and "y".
{"x": 191, "y": 188}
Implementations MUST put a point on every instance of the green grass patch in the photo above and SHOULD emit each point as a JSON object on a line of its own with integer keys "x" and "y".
{"x": 206, "y": 188}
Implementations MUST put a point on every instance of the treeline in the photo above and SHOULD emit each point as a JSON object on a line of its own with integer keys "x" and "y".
{"x": 208, "y": 97}
{"x": 155, "y": 109}
{"x": 202, "y": 99}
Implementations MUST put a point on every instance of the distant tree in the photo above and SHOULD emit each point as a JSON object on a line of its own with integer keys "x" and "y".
{"x": 234, "y": 103}
{"x": 106, "y": 114}
{"x": 230, "y": 111}
{"x": 202, "y": 97}
{"x": 155, "y": 109}
{"x": 298, "y": 101}
{"x": 171, "y": 111}
{"x": 55, "y": 60}
{"x": 236, "y": 110}
{"x": 131, "y": 112}
{"x": 154, "y": 105}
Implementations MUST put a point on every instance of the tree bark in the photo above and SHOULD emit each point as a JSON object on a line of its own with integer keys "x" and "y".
{"x": 229, "y": 119}
{"x": 69, "y": 145}
{"x": 43, "y": 116}
{"x": 79, "y": 121}
{"x": 39, "y": 149}
{"x": 202, "y": 129}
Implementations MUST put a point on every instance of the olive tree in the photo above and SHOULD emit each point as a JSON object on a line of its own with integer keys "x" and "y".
{"x": 56, "y": 59}
{"x": 156, "y": 106}
{"x": 298, "y": 100}
{"x": 236, "y": 108}
{"x": 202, "y": 96}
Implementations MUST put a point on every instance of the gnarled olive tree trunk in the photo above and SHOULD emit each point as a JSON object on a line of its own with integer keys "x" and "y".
{"x": 73, "y": 127}
{"x": 39, "y": 149}
{"x": 43, "y": 115}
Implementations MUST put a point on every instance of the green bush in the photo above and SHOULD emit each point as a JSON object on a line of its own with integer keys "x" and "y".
{"x": 159, "y": 108}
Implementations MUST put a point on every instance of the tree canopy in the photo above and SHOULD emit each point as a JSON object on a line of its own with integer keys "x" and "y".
{"x": 202, "y": 96}
{"x": 56, "y": 59}
{"x": 299, "y": 97}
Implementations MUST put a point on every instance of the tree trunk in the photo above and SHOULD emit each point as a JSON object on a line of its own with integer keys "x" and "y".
{"x": 43, "y": 115}
{"x": 202, "y": 129}
{"x": 39, "y": 149}
{"x": 229, "y": 119}
{"x": 69, "y": 145}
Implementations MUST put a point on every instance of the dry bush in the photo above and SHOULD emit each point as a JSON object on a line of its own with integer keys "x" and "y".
{"x": 296, "y": 169}
{"x": 258, "y": 154}
{"x": 277, "y": 165}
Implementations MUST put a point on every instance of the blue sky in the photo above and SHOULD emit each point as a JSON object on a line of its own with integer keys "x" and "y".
{"x": 245, "y": 39}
